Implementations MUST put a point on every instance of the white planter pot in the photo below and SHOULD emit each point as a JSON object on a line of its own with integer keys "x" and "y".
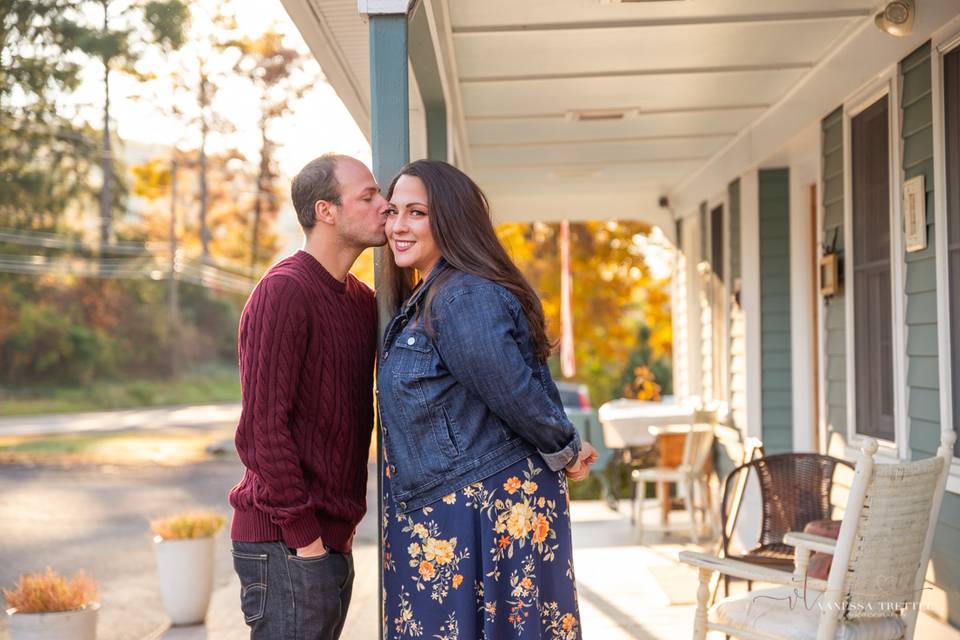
{"x": 185, "y": 568}
{"x": 80, "y": 624}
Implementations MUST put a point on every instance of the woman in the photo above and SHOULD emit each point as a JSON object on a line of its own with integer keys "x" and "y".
{"x": 476, "y": 523}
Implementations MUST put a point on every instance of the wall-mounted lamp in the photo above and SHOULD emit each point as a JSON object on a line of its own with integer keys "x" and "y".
{"x": 897, "y": 17}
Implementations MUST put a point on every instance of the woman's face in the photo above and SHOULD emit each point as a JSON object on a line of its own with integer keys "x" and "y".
{"x": 408, "y": 226}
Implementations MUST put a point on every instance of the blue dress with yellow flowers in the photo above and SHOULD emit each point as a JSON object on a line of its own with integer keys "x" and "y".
{"x": 490, "y": 561}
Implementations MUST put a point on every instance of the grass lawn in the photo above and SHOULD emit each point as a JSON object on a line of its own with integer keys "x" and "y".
{"x": 167, "y": 447}
{"x": 215, "y": 384}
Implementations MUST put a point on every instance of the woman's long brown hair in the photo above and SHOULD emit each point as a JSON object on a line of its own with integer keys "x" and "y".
{"x": 460, "y": 222}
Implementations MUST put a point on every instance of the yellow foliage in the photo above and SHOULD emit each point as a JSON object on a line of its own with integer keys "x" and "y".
{"x": 186, "y": 526}
{"x": 614, "y": 293}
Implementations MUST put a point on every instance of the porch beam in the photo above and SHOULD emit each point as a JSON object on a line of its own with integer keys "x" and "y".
{"x": 441, "y": 35}
{"x": 786, "y": 17}
{"x": 590, "y": 165}
{"x": 426, "y": 71}
{"x": 562, "y": 115}
{"x": 592, "y": 141}
{"x": 637, "y": 73}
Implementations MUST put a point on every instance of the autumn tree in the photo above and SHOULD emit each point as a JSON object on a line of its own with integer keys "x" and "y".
{"x": 45, "y": 153}
{"x": 128, "y": 30}
{"x": 614, "y": 293}
{"x": 279, "y": 78}
{"x": 188, "y": 91}
{"x": 229, "y": 199}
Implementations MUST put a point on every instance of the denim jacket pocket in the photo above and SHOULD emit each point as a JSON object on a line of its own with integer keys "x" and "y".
{"x": 444, "y": 431}
{"x": 412, "y": 353}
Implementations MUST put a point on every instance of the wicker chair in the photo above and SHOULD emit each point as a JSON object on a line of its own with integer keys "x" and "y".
{"x": 880, "y": 561}
{"x": 795, "y": 489}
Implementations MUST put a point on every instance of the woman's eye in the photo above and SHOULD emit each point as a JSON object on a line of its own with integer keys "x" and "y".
{"x": 416, "y": 212}
{"x": 391, "y": 211}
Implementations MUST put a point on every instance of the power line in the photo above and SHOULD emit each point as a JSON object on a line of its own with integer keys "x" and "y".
{"x": 184, "y": 269}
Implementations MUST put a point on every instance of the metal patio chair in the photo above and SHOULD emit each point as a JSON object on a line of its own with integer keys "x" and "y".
{"x": 879, "y": 565}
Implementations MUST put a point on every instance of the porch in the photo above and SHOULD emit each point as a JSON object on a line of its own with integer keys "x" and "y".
{"x": 627, "y": 590}
{"x": 731, "y": 129}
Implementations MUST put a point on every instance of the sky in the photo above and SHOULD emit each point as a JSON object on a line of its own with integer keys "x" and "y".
{"x": 319, "y": 122}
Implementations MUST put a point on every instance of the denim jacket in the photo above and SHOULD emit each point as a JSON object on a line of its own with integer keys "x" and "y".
{"x": 472, "y": 400}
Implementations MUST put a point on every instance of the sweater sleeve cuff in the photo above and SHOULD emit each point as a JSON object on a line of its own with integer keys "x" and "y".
{"x": 560, "y": 459}
{"x": 302, "y": 531}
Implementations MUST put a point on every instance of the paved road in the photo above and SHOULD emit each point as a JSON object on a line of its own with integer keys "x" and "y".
{"x": 139, "y": 419}
{"x": 96, "y": 519}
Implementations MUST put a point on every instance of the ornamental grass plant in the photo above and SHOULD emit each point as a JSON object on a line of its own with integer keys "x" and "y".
{"x": 50, "y": 592}
{"x": 187, "y": 526}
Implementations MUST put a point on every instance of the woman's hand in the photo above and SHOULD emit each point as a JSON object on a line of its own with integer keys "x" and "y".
{"x": 579, "y": 469}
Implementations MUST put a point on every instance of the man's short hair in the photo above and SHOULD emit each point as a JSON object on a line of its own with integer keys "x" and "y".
{"x": 316, "y": 181}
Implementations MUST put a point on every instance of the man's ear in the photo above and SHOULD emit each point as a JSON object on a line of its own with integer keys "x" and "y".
{"x": 323, "y": 212}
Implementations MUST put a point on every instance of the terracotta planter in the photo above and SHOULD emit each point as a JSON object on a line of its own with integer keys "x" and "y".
{"x": 80, "y": 624}
{"x": 185, "y": 569}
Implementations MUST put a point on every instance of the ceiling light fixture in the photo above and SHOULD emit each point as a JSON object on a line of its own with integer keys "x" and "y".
{"x": 897, "y": 17}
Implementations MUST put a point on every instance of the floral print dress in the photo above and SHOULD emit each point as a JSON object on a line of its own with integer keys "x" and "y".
{"x": 491, "y": 561}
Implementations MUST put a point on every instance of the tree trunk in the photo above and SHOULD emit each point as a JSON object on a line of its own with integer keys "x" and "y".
{"x": 262, "y": 179}
{"x": 204, "y": 129}
{"x": 106, "y": 163}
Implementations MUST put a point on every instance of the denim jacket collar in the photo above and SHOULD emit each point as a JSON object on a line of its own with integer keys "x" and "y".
{"x": 414, "y": 299}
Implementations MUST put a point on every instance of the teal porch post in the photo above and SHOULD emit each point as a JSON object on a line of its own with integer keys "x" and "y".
{"x": 389, "y": 108}
{"x": 390, "y": 142}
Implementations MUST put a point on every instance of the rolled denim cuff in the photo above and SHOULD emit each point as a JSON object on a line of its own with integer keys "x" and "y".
{"x": 560, "y": 459}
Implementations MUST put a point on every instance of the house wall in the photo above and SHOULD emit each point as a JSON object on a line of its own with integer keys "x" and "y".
{"x": 923, "y": 384}
{"x": 707, "y": 391}
{"x": 920, "y": 300}
{"x": 737, "y": 345}
{"x": 776, "y": 372}
{"x": 834, "y": 363}
{"x": 679, "y": 317}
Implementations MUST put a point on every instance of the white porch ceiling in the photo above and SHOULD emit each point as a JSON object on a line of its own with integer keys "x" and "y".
{"x": 689, "y": 76}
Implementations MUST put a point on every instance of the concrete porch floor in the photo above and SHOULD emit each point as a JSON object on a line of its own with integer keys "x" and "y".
{"x": 627, "y": 590}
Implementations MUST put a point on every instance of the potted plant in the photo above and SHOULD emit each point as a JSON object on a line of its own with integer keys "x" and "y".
{"x": 184, "y": 546}
{"x": 48, "y": 605}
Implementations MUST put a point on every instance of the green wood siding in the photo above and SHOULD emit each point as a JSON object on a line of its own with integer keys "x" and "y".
{"x": 920, "y": 292}
{"x": 736, "y": 347}
{"x": 776, "y": 388}
{"x": 733, "y": 192}
{"x": 835, "y": 361}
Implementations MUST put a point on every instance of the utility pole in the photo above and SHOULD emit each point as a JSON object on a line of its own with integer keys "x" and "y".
{"x": 173, "y": 294}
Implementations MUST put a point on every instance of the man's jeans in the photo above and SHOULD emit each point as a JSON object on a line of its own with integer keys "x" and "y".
{"x": 284, "y": 597}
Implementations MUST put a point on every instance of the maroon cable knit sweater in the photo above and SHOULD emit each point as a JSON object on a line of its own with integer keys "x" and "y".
{"x": 307, "y": 345}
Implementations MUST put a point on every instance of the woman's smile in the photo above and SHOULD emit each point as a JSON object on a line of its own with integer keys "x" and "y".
{"x": 402, "y": 245}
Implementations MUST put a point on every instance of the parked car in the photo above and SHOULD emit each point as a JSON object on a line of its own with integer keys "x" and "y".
{"x": 575, "y": 398}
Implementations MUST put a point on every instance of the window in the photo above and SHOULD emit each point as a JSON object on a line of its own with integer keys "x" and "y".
{"x": 951, "y": 120}
{"x": 872, "y": 304}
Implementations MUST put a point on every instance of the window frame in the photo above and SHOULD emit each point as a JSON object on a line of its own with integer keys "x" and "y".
{"x": 887, "y": 84}
{"x": 942, "y": 43}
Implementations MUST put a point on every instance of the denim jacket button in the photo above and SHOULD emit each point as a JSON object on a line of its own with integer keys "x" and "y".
{"x": 386, "y": 354}
{"x": 393, "y": 469}
{"x": 403, "y": 505}
{"x": 411, "y": 340}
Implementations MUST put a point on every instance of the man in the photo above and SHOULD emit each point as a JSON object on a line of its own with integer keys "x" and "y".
{"x": 307, "y": 345}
